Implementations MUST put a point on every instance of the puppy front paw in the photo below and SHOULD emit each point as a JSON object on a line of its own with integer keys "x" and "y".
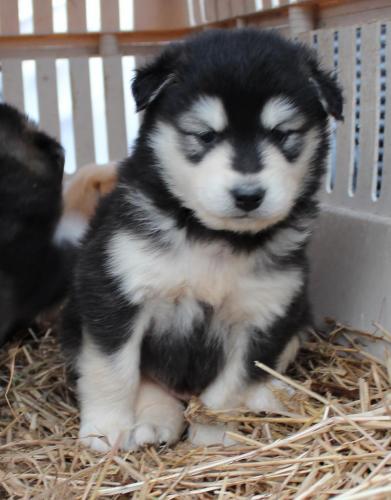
{"x": 103, "y": 433}
{"x": 150, "y": 434}
{"x": 269, "y": 396}
{"x": 206, "y": 435}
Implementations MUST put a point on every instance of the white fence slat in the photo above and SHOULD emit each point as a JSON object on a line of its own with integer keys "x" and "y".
{"x": 250, "y": 6}
{"x": 77, "y": 15}
{"x": 109, "y": 11}
{"x": 9, "y": 17}
{"x": 43, "y": 16}
{"x": 223, "y": 9}
{"x": 82, "y": 110}
{"x": 115, "y": 114}
{"x": 326, "y": 54}
{"x": 211, "y": 10}
{"x": 369, "y": 120}
{"x": 196, "y": 9}
{"x": 238, "y": 7}
{"x": 13, "y": 82}
{"x": 384, "y": 203}
{"x": 47, "y": 96}
{"x": 345, "y": 130}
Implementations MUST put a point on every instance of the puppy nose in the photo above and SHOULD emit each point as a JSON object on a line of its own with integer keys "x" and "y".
{"x": 248, "y": 198}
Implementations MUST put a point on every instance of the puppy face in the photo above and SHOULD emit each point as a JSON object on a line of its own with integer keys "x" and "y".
{"x": 237, "y": 125}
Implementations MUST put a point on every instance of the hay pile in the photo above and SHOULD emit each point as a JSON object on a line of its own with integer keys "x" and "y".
{"x": 336, "y": 441}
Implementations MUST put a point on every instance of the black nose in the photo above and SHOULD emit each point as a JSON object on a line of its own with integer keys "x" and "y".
{"x": 248, "y": 198}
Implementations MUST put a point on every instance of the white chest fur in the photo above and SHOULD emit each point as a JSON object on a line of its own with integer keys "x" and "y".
{"x": 236, "y": 285}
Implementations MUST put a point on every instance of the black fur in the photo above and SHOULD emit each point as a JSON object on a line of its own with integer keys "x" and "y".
{"x": 244, "y": 68}
{"x": 33, "y": 271}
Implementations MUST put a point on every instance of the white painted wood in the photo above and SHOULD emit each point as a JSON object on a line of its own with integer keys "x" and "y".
{"x": 77, "y": 16}
{"x": 250, "y": 6}
{"x": 238, "y": 7}
{"x": 224, "y": 9}
{"x": 384, "y": 203}
{"x": 211, "y": 10}
{"x": 325, "y": 52}
{"x": 9, "y": 17}
{"x": 195, "y": 6}
{"x": 109, "y": 15}
{"x": 46, "y": 72}
{"x": 301, "y": 20}
{"x": 47, "y": 96}
{"x": 43, "y": 16}
{"x": 13, "y": 82}
{"x": 369, "y": 122}
{"x": 345, "y": 130}
{"x": 82, "y": 111}
{"x": 115, "y": 110}
{"x": 350, "y": 258}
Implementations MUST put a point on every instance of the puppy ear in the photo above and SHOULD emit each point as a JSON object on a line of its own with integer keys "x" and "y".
{"x": 153, "y": 78}
{"x": 327, "y": 87}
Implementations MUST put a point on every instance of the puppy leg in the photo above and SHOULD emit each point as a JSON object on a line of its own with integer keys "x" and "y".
{"x": 223, "y": 394}
{"x": 230, "y": 390}
{"x": 159, "y": 416}
{"x": 261, "y": 396}
{"x": 107, "y": 387}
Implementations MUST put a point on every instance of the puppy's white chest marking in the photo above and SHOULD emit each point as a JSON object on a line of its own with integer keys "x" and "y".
{"x": 210, "y": 273}
{"x": 204, "y": 272}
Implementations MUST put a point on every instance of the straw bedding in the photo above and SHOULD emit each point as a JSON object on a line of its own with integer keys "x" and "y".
{"x": 334, "y": 441}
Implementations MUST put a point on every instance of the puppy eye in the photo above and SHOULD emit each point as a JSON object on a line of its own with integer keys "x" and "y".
{"x": 208, "y": 137}
{"x": 280, "y": 135}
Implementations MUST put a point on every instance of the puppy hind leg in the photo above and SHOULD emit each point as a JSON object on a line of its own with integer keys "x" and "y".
{"x": 159, "y": 416}
{"x": 225, "y": 393}
{"x": 263, "y": 395}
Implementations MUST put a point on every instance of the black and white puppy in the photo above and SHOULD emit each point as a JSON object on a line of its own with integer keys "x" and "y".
{"x": 195, "y": 266}
{"x": 34, "y": 266}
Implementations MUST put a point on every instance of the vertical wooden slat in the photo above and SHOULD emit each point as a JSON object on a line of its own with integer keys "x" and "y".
{"x": 301, "y": 19}
{"x": 202, "y": 4}
{"x": 211, "y": 10}
{"x": 112, "y": 73}
{"x": 116, "y": 127}
{"x": 13, "y": 82}
{"x": 46, "y": 72}
{"x": 109, "y": 15}
{"x": 9, "y": 17}
{"x": 345, "y": 130}
{"x": 80, "y": 89}
{"x": 47, "y": 96}
{"x": 384, "y": 203}
{"x": 43, "y": 16}
{"x": 325, "y": 51}
{"x": 223, "y": 9}
{"x": 82, "y": 110}
{"x": 369, "y": 122}
{"x": 196, "y": 6}
{"x": 267, "y": 4}
{"x": 77, "y": 16}
{"x": 249, "y": 6}
{"x": 238, "y": 7}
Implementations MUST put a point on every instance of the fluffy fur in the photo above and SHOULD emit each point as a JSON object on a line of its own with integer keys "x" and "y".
{"x": 195, "y": 267}
{"x": 81, "y": 194}
{"x": 34, "y": 270}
